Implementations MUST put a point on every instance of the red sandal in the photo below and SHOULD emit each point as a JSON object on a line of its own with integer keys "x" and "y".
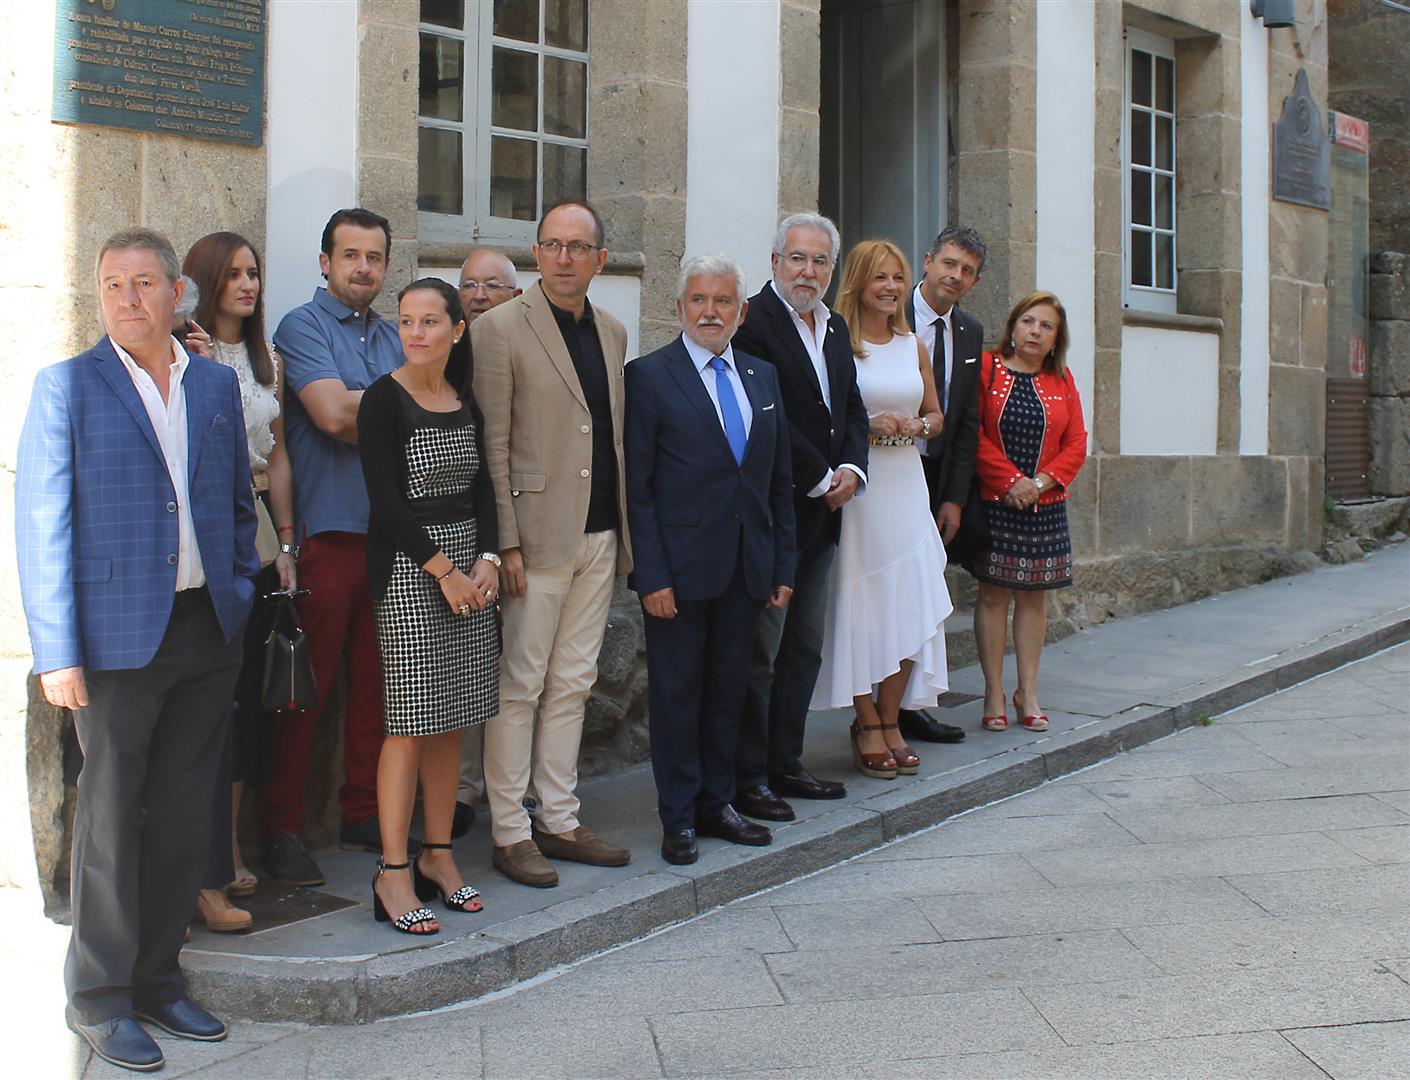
{"x": 999, "y": 722}
{"x": 1033, "y": 722}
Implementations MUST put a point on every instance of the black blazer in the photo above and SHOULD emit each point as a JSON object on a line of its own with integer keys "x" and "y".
{"x": 953, "y": 465}
{"x": 820, "y": 438}
{"x": 692, "y": 508}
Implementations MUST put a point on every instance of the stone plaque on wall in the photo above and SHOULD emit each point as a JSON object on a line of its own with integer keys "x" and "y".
{"x": 192, "y": 68}
{"x": 1301, "y": 154}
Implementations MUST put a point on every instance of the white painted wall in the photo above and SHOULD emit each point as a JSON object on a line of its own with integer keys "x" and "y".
{"x": 619, "y": 294}
{"x": 1169, "y": 391}
{"x": 1254, "y": 143}
{"x": 311, "y": 135}
{"x": 1065, "y": 125}
{"x": 732, "y": 79}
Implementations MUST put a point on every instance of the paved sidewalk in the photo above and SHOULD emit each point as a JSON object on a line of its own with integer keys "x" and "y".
{"x": 1227, "y": 901}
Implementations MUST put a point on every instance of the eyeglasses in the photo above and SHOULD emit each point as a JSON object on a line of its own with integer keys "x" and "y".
{"x": 489, "y": 286}
{"x": 798, "y": 260}
{"x": 577, "y": 249}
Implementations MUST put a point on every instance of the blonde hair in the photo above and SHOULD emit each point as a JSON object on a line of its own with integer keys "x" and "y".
{"x": 1055, "y": 361}
{"x": 863, "y": 262}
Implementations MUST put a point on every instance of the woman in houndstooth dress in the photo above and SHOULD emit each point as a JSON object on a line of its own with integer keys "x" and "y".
{"x": 433, "y": 564}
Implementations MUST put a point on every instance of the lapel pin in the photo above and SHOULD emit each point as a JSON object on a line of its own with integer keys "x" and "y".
{"x": 750, "y": 370}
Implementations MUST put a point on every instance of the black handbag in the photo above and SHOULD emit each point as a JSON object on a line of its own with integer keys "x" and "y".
{"x": 289, "y": 684}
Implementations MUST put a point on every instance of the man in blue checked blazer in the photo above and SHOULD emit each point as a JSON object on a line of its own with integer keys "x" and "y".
{"x": 135, "y": 541}
{"x": 710, "y": 503}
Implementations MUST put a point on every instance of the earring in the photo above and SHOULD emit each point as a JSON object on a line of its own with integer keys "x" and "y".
{"x": 1012, "y": 346}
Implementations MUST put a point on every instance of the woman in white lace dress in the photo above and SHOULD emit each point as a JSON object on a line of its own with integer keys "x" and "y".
{"x": 229, "y": 328}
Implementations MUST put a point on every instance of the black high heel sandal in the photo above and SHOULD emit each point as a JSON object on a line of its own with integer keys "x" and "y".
{"x": 426, "y": 888}
{"x": 407, "y": 923}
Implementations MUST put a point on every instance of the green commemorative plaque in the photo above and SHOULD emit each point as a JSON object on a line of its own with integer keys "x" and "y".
{"x": 191, "y": 68}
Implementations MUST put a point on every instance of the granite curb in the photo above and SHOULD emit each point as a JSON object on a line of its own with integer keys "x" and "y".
{"x": 361, "y": 989}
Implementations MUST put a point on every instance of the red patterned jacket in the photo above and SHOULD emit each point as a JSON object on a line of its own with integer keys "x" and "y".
{"x": 1064, "y": 446}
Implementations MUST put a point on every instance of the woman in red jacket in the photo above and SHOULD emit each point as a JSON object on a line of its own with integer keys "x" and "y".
{"x": 1032, "y": 442}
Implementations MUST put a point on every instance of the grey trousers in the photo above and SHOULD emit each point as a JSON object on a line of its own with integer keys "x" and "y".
{"x": 152, "y": 740}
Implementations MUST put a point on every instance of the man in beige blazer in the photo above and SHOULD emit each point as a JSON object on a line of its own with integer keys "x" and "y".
{"x": 548, "y": 378}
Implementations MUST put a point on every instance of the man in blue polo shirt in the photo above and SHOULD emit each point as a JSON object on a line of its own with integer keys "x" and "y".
{"x": 333, "y": 347}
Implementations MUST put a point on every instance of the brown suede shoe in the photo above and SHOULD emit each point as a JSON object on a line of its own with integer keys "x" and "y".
{"x": 523, "y": 863}
{"x": 581, "y": 846}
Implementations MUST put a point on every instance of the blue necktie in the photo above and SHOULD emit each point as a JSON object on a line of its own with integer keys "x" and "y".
{"x": 729, "y": 409}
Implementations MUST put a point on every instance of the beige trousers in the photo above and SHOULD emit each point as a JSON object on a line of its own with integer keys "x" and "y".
{"x": 472, "y": 765}
{"x": 552, "y": 636}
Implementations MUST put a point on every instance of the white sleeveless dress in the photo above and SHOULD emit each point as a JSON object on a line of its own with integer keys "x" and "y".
{"x": 887, "y": 599}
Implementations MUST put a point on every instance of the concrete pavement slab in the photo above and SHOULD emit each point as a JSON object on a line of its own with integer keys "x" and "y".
{"x": 1183, "y": 761}
{"x": 1092, "y": 907}
{"x": 1223, "y": 1002}
{"x": 1254, "y": 1056}
{"x": 1345, "y": 753}
{"x": 183, "y": 1056}
{"x": 1398, "y": 799}
{"x": 1259, "y": 819}
{"x": 1159, "y": 791}
{"x": 1053, "y": 799}
{"x": 836, "y": 1035}
{"x": 729, "y": 930}
{"x": 1377, "y": 728}
{"x": 1342, "y": 891}
{"x": 857, "y": 882}
{"x": 1378, "y": 844}
{"x": 823, "y": 926}
{"x": 881, "y": 970}
{"x": 592, "y": 1046}
{"x": 988, "y": 832}
{"x": 1308, "y": 783}
{"x": 1211, "y": 944}
{"x": 1359, "y": 1052}
{"x": 1399, "y": 967}
{"x": 1192, "y": 858}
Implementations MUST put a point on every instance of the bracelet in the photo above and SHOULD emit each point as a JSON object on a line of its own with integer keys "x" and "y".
{"x": 446, "y": 574}
{"x": 285, "y": 529}
{"x": 925, "y": 426}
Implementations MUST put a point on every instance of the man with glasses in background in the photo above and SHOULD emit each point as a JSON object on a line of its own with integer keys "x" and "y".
{"x": 487, "y": 279}
{"x": 548, "y": 378}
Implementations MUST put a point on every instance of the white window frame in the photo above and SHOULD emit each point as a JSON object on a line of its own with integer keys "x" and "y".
{"x": 1147, "y": 297}
{"x": 478, "y": 42}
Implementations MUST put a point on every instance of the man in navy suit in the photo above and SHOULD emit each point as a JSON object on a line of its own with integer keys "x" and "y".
{"x": 710, "y": 506}
{"x": 135, "y": 530}
{"x": 789, "y": 326}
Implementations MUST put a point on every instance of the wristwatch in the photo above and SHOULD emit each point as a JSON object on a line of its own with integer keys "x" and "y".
{"x": 491, "y": 558}
{"x": 289, "y": 549}
{"x": 1038, "y": 482}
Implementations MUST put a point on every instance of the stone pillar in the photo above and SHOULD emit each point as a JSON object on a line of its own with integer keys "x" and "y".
{"x": 1104, "y": 410}
{"x": 637, "y": 157}
{"x": 995, "y": 148}
{"x": 800, "y": 72}
{"x": 1390, "y": 374}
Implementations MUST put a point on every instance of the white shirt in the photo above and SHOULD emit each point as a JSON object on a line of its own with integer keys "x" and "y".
{"x": 701, "y": 358}
{"x": 169, "y": 421}
{"x": 925, "y": 330}
{"x": 813, "y": 338}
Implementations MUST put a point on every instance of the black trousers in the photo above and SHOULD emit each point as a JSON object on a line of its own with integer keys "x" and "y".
{"x": 697, "y": 672}
{"x": 152, "y": 740}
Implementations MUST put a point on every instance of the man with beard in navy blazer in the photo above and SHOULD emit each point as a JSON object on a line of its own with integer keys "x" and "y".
{"x": 711, "y": 512}
{"x": 789, "y": 326}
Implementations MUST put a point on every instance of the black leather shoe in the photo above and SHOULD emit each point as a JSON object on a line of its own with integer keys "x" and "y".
{"x": 728, "y": 825}
{"x": 679, "y": 847}
{"x": 760, "y": 802}
{"x": 804, "y": 785}
{"x": 364, "y": 836}
{"x": 183, "y": 1018}
{"x": 121, "y": 1041}
{"x": 921, "y": 725}
{"x": 463, "y": 819}
{"x": 286, "y": 859}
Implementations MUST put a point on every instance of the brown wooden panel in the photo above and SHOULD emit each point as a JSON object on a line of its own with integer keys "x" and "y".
{"x": 1348, "y": 438}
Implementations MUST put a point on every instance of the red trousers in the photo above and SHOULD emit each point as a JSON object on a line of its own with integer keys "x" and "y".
{"x": 336, "y": 617}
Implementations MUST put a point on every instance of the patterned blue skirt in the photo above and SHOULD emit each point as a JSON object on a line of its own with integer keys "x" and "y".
{"x": 1029, "y": 550}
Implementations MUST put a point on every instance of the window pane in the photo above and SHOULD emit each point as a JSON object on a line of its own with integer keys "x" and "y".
{"x": 1140, "y": 137}
{"x": 1164, "y": 261}
{"x": 516, "y": 89}
{"x": 565, "y": 24}
{"x": 1140, "y": 77}
{"x": 1140, "y": 257}
{"x": 1140, "y": 198}
{"x": 1164, "y": 142}
{"x": 564, "y": 173}
{"x": 565, "y": 97}
{"x": 443, "y": 12}
{"x": 517, "y": 19}
{"x": 513, "y": 169}
{"x": 1165, "y": 202}
{"x": 440, "y": 187}
{"x": 1164, "y": 84}
{"x": 441, "y": 80}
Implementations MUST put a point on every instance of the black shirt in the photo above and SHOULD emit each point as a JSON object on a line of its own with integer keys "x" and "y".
{"x": 586, "y": 350}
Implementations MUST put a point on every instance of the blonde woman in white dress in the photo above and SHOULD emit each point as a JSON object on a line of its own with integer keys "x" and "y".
{"x": 884, "y": 636}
